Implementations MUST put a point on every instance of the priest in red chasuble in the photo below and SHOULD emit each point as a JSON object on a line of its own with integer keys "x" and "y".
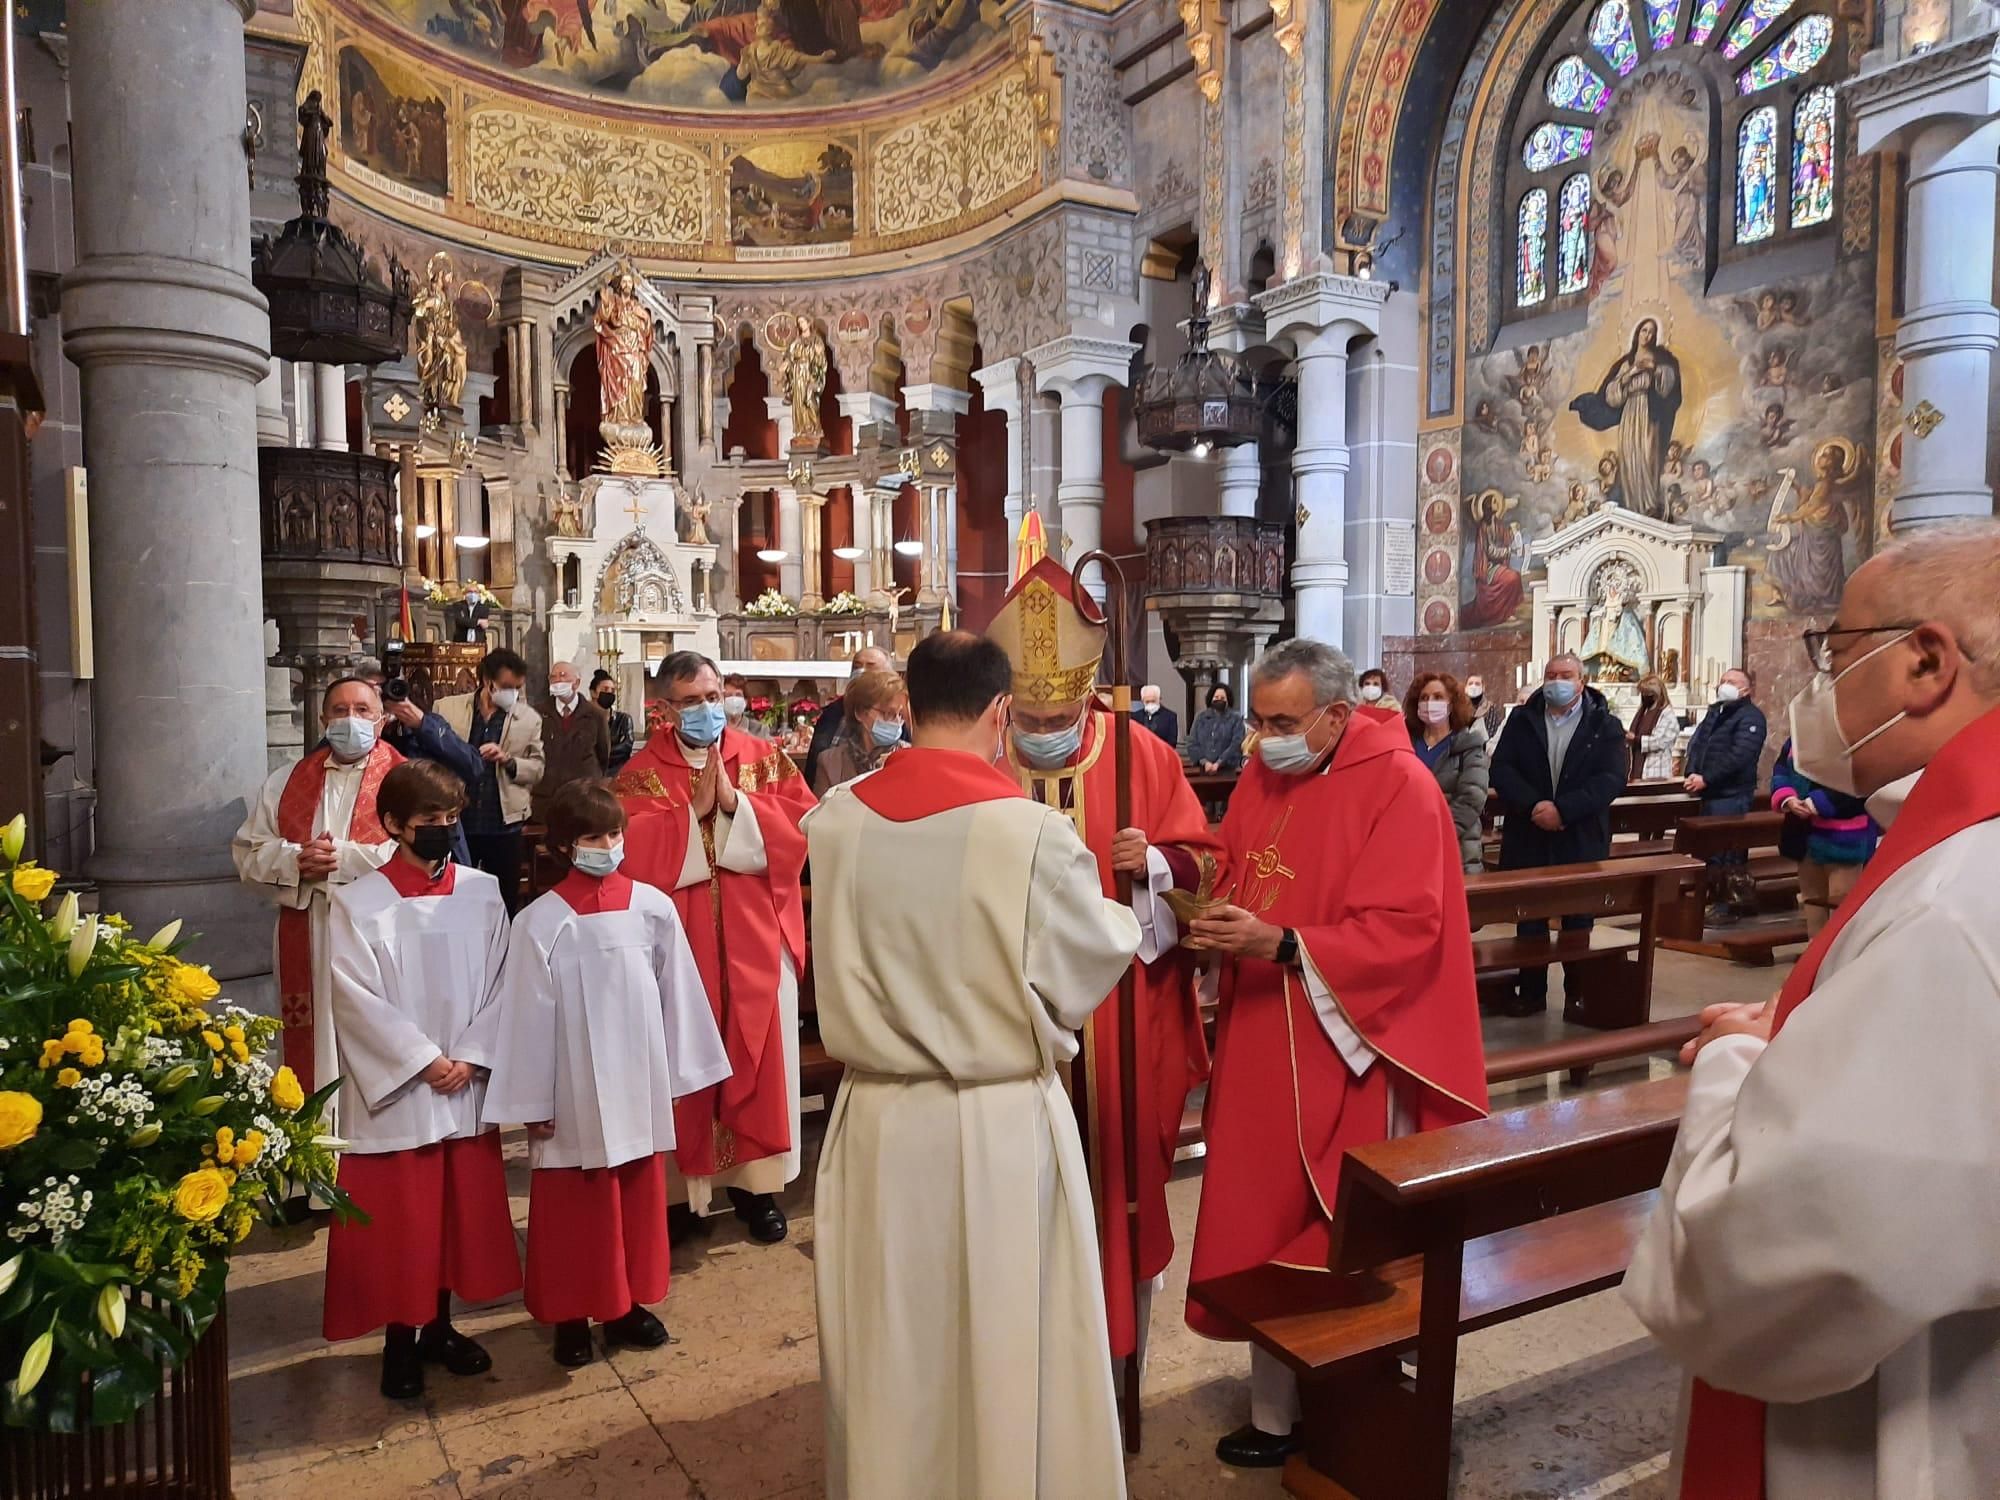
{"x": 715, "y": 823}
{"x": 1061, "y": 749}
{"x": 1348, "y": 1007}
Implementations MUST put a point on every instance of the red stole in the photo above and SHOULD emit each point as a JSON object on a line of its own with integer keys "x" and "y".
{"x": 738, "y": 925}
{"x": 1724, "y": 1454}
{"x": 298, "y": 806}
{"x": 1172, "y": 1052}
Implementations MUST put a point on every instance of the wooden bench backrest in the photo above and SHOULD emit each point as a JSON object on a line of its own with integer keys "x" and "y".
{"x": 1651, "y": 817}
{"x": 1720, "y": 833}
{"x": 1602, "y": 887}
{"x": 1397, "y": 1197}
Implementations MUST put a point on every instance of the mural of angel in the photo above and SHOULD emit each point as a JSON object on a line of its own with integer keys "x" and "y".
{"x": 1639, "y": 398}
{"x": 1495, "y": 577}
{"x": 1613, "y": 192}
{"x": 1805, "y": 565}
{"x": 1527, "y": 384}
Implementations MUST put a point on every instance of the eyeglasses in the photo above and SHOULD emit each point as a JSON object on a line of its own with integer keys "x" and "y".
{"x": 1819, "y": 649}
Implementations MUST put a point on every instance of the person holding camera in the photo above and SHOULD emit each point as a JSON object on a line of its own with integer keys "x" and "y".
{"x": 417, "y": 735}
{"x": 506, "y": 735}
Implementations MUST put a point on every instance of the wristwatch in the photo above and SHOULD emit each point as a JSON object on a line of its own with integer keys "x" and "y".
{"x": 1288, "y": 948}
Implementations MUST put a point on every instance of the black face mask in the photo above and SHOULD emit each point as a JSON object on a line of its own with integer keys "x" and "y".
{"x": 432, "y": 842}
{"x": 1220, "y": 705}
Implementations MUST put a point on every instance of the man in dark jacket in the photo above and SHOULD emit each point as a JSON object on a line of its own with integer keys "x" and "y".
{"x": 1722, "y": 770}
{"x": 1162, "y": 721}
{"x": 1559, "y": 766}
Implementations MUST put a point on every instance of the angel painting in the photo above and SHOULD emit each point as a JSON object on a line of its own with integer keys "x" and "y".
{"x": 1806, "y": 565}
{"x": 1777, "y": 372}
{"x": 1530, "y": 376}
{"x": 1776, "y": 429}
{"x": 1493, "y": 572}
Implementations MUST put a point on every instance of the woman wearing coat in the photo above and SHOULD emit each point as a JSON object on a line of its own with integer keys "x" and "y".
{"x": 1656, "y": 728}
{"x": 1448, "y": 737}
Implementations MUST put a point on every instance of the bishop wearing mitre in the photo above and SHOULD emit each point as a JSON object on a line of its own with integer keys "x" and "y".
{"x": 1061, "y": 752}
{"x": 715, "y": 823}
{"x": 960, "y": 937}
{"x": 1349, "y": 1012}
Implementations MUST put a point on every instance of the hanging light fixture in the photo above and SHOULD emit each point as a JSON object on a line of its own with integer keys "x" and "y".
{"x": 1204, "y": 400}
{"x": 850, "y": 553}
{"x": 760, "y": 534}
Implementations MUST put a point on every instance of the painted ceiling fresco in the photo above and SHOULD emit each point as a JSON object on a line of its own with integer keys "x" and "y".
{"x": 724, "y": 55}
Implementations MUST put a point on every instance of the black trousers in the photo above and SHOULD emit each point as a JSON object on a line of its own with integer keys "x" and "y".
{"x": 499, "y": 855}
{"x": 1535, "y": 981}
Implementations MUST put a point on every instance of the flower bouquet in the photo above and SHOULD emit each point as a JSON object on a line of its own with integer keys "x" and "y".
{"x": 806, "y": 709}
{"x": 846, "y": 602}
{"x": 770, "y": 605}
{"x": 142, "y": 1134}
{"x": 764, "y": 709}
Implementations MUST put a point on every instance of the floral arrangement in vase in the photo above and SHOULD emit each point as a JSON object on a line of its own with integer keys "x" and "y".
{"x": 803, "y": 708}
{"x": 770, "y": 605}
{"x": 846, "y": 602}
{"x": 142, "y": 1134}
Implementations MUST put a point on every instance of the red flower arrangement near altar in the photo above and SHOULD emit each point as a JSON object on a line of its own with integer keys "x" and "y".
{"x": 806, "y": 709}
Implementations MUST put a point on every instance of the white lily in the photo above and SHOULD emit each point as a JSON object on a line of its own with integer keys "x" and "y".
{"x": 10, "y": 1273}
{"x": 35, "y": 1363}
{"x": 330, "y": 1142}
{"x": 13, "y": 834}
{"x": 160, "y": 941}
{"x": 111, "y": 1309}
{"x": 63, "y": 923}
{"x": 81, "y": 942}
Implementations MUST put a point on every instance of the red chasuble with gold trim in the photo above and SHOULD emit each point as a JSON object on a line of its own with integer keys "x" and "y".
{"x": 1361, "y": 859}
{"x": 739, "y": 926}
{"x": 1173, "y": 1054}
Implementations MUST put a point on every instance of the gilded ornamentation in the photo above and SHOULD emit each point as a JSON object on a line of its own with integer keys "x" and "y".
{"x": 942, "y": 169}
{"x": 440, "y": 345}
{"x": 1924, "y": 419}
{"x": 805, "y": 381}
{"x": 1292, "y": 174}
{"x": 585, "y": 184}
{"x": 624, "y": 328}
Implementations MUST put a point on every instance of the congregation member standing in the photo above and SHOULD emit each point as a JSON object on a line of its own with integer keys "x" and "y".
{"x": 826, "y": 728}
{"x": 1061, "y": 750}
{"x": 416, "y": 949}
{"x": 506, "y": 734}
{"x": 1653, "y": 733}
{"x": 1348, "y": 1007}
{"x": 736, "y": 706}
{"x": 1491, "y": 714}
{"x": 960, "y": 937}
{"x": 1375, "y": 702}
{"x": 315, "y": 828}
{"x": 1215, "y": 741}
{"x": 727, "y": 848}
{"x": 1722, "y": 758}
{"x": 1151, "y": 715}
{"x": 604, "y": 692}
{"x": 1559, "y": 766}
{"x": 1822, "y": 1257}
{"x": 1450, "y": 741}
{"x": 576, "y": 739}
{"x": 604, "y": 1025}
{"x": 1829, "y": 833}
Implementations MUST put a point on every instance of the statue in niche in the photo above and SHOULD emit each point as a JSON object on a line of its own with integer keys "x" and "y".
{"x": 805, "y": 380}
{"x": 315, "y": 124}
{"x": 299, "y": 524}
{"x": 624, "y": 327}
{"x": 340, "y": 525}
{"x": 698, "y": 510}
{"x": 1614, "y": 643}
{"x": 569, "y": 515}
{"x": 440, "y": 345}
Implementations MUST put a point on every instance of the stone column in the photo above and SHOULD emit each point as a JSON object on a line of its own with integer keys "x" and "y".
{"x": 1000, "y": 383}
{"x": 559, "y": 437}
{"x": 1079, "y": 371}
{"x": 274, "y": 428}
{"x": 790, "y": 541}
{"x": 172, "y": 341}
{"x": 330, "y": 407}
{"x": 812, "y": 551}
{"x": 1239, "y": 470}
{"x": 1318, "y": 316}
{"x": 1942, "y": 107}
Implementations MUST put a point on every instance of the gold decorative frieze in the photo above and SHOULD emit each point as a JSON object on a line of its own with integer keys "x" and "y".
{"x": 950, "y": 167}
{"x": 585, "y": 184}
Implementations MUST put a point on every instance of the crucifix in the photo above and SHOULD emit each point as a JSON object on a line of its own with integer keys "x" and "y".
{"x": 636, "y": 511}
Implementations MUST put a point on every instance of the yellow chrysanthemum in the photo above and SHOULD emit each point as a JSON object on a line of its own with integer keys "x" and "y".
{"x": 240, "y": 1051}
{"x": 233, "y": 1032}
{"x": 211, "y": 1041}
{"x": 249, "y": 1148}
{"x": 93, "y": 1053}
{"x": 81, "y": 1026}
{"x": 215, "y": 1068}
{"x": 286, "y": 1093}
{"x": 33, "y": 883}
{"x": 52, "y": 1052}
{"x": 20, "y": 1118}
{"x": 68, "y": 1078}
{"x": 195, "y": 984}
{"x": 200, "y": 1195}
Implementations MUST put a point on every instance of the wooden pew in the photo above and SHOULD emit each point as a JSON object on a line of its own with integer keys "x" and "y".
{"x": 1755, "y": 942}
{"x": 1608, "y": 973}
{"x": 1646, "y": 825}
{"x": 1435, "y": 1235}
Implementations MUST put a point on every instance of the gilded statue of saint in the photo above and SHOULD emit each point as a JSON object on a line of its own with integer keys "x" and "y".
{"x": 624, "y": 327}
{"x": 440, "y": 346}
{"x": 805, "y": 379}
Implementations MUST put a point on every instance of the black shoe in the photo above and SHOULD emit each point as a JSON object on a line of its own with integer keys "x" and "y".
{"x": 1249, "y": 1448}
{"x": 402, "y": 1368}
{"x": 761, "y": 1213}
{"x": 573, "y": 1343}
{"x": 638, "y": 1329}
{"x": 1720, "y": 915}
{"x": 683, "y": 1224}
{"x": 442, "y": 1344}
{"x": 1519, "y": 1007}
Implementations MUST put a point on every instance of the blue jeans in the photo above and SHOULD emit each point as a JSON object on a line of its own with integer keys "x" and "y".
{"x": 1535, "y": 982}
{"x": 1721, "y": 807}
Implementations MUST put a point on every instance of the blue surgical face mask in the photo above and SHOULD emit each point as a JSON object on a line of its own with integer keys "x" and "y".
{"x": 885, "y": 732}
{"x": 598, "y": 862}
{"x": 1289, "y": 754}
{"x": 701, "y": 723}
{"x": 351, "y": 738}
{"x": 1559, "y": 692}
{"x": 1047, "y": 751}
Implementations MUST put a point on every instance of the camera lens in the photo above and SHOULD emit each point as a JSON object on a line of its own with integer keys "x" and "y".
{"x": 395, "y": 690}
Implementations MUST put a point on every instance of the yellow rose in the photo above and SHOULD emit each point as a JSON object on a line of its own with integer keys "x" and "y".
{"x": 20, "y": 1117}
{"x": 33, "y": 883}
{"x": 195, "y": 984}
{"x": 68, "y": 1078}
{"x": 200, "y": 1195}
{"x": 286, "y": 1093}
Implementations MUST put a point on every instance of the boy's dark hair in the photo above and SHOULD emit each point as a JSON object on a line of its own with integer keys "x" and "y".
{"x": 417, "y": 787}
{"x": 499, "y": 660}
{"x": 580, "y": 810}
{"x": 953, "y": 675}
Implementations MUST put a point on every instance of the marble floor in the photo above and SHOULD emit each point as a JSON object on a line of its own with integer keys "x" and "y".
{"x": 1569, "y": 1403}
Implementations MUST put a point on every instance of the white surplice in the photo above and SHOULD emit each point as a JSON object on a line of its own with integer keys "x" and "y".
{"x": 604, "y": 1024}
{"x": 268, "y": 860}
{"x": 963, "y": 1345}
{"x": 415, "y": 978}
{"x": 1828, "y": 1238}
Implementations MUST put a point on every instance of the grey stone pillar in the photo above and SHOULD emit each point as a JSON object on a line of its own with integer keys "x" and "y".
{"x": 171, "y": 340}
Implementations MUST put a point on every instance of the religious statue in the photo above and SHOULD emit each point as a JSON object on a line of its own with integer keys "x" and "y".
{"x": 440, "y": 345}
{"x": 697, "y": 511}
{"x": 314, "y": 126}
{"x": 1614, "y": 647}
{"x": 1639, "y": 398}
{"x": 805, "y": 379}
{"x": 624, "y": 327}
{"x": 569, "y": 514}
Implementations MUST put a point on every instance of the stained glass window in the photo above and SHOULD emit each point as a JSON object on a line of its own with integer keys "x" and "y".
{"x": 1531, "y": 241}
{"x": 1757, "y": 176}
{"x": 1611, "y": 34}
{"x": 1660, "y": 18}
{"x": 1703, "y": 25}
{"x": 1573, "y": 235}
{"x": 1750, "y": 25}
{"x": 1572, "y": 85}
{"x": 1552, "y": 145}
{"x": 1800, "y": 51}
{"x": 1812, "y": 158}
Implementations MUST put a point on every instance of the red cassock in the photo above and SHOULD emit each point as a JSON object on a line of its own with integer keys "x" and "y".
{"x": 740, "y": 927}
{"x": 1173, "y": 1054}
{"x": 1361, "y": 860}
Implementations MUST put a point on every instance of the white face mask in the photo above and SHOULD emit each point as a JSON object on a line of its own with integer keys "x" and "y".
{"x": 734, "y": 704}
{"x": 1729, "y": 692}
{"x": 1291, "y": 754}
{"x": 1819, "y": 749}
{"x": 1474, "y": 691}
{"x": 1371, "y": 692}
{"x": 350, "y": 738}
{"x": 504, "y": 699}
{"x": 562, "y": 692}
{"x": 1434, "y": 710}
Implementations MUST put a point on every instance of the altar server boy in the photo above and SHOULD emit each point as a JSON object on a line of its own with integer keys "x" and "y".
{"x": 416, "y": 949}
{"x": 604, "y": 1024}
